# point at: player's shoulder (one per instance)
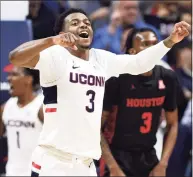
(112, 81)
(164, 64)
(103, 53)
(12, 101)
(102, 56)
(166, 73)
(39, 97)
(36, 103)
(111, 86)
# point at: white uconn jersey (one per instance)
(23, 129)
(73, 90)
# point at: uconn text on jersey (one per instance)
(87, 79)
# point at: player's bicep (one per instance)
(171, 117)
(32, 63)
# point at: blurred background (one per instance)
(22, 21)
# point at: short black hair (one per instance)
(131, 36)
(60, 21)
(35, 75)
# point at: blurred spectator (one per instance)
(130, 16)
(57, 7)
(97, 10)
(184, 73)
(101, 12)
(43, 19)
(181, 154)
(187, 17)
(185, 6)
(124, 36)
(173, 54)
(62, 6)
(109, 36)
(163, 16)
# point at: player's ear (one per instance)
(29, 80)
(131, 51)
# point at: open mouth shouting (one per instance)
(84, 34)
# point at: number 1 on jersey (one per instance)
(91, 107)
(18, 144)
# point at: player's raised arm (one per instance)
(28, 54)
(145, 60)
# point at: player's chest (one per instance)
(85, 73)
(20, 119)
(143, 94)
(82, 66)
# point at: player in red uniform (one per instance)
(140, 100)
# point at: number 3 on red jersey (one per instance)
(147, 120)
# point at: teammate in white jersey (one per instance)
(72, 77)
(22, 116)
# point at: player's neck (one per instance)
(149, 73)
(82, 54)
(25, 99)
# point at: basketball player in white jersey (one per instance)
(22, 116)
(72, 77)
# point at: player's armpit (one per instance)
(41, 114)
(1, 120)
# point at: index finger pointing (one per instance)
(74, 37)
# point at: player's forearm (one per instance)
(168, 42)
(142, 62)
(106, 153)
(169, 143)
(148, 58)
(29, 50)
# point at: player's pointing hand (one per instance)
(66, 40)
